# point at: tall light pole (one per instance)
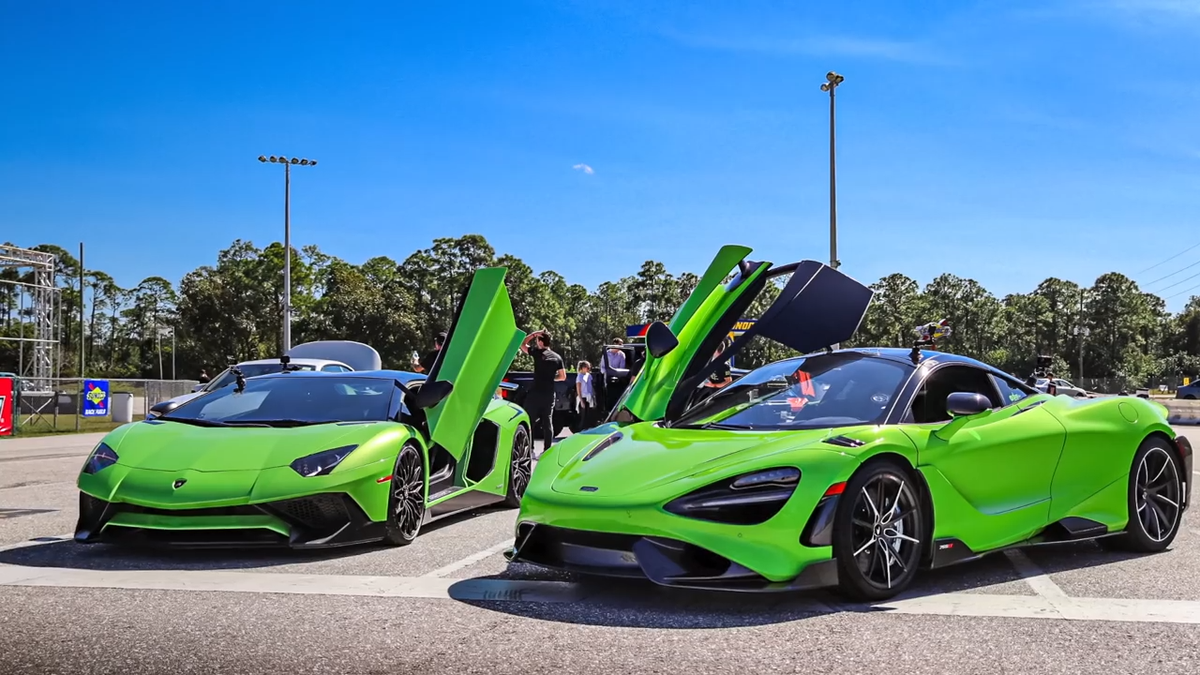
(287, 238)
(833, 80)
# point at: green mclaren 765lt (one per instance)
(315, 459)
(851, 468)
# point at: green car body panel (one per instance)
(1030, 468)
(218, 486)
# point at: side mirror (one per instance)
(964, 404)
(660, 341)
(431, 394)
(162, 408)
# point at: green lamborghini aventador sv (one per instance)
(845, 467)
(313, 459)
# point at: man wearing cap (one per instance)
(425, 364)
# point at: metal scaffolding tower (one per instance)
(39, 370)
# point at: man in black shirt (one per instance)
(425, 364)
(548, 369)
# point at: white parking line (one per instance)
(946, 604)
(469, 560)
(1033, 575)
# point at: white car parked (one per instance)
(331, 356)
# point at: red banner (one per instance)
(7, 406)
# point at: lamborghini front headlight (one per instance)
(101, 458)
(321, 463)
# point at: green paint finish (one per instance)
(994, 479)
(480, 348)
(238, 466)
(647, 396)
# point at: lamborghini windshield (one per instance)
(291, 401)
(827, 390)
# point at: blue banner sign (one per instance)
(95, 398)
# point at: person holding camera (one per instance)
(548, 370)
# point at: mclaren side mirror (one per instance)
(431, 394)
(660, 341)
(966, 404)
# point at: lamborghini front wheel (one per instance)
(1155, 498)
(878, 532)
(406, 504)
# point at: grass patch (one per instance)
(65, 424)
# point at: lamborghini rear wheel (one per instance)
(520, 466)
(879, 532)
(1155, 499)
(406, 504)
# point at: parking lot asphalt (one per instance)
(451, 603)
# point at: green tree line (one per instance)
(232, 308)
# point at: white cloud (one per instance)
(584, 168)
(889, 50)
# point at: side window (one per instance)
(1011, 391)
(929, 405)
(333, 368)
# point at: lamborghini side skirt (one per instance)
(951, 551)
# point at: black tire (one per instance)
(520, 466)
(406, 502)
(875, 559)
(1154, 501)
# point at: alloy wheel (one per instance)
(886, 515)
(1157, 494)
(408, 490)
(522, 463)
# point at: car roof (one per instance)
(298, 361)
(904, 355)
(402, 376)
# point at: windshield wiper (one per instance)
(194, 422)
(718, 425)
(282, 423)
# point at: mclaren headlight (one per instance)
(747, 499)
(321, 463)
(101, 458)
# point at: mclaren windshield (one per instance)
(288, 401)
(826, 390)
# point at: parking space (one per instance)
(453, 603)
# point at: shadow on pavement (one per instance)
(642, 604)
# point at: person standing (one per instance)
(548, 370)
(425, 363)
(585, 394)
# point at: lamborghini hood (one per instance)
(173, 446)
(647, 456)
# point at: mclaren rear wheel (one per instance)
(879, 531)
(406, 504)
(520, 466)
(1155, 499)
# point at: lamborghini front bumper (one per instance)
(322, 520)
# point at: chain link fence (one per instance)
(57, 407)
(1159, 386)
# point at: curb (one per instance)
(1182, 412)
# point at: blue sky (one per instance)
(1003, 141)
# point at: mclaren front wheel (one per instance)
(520, 466)
(879, 532)
(406, 503)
